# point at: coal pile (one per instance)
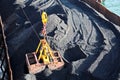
(88, 42)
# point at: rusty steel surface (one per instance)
(108, 14)
(5, 67)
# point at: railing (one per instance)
(5, 68)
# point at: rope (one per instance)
(30, 23)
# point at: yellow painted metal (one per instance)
(44, 18)
(44, 51)
(38, 47)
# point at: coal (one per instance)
(88, 43)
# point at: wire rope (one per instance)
(30, 23)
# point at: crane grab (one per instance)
(44, 55)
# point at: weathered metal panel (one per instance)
(108, 14)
